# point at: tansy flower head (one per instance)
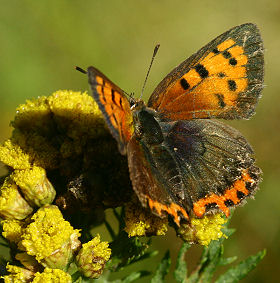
(50, 238)
(77, 114)
(40, 150)
(203, 230)
(12, 155)
(37, 111)
(92, 257)
(65, 134)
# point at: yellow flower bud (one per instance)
(18, 274)
(50, 238)
(28, 261)
(34, 185)
(92, 257)
(12, 204)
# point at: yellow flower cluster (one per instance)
(47, 131)
(47, 240)
(17, 274)
(21, 275)
(52, 276)
(204, 230)
(12, 155)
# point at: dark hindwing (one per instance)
(222, 80)
(148, 169)
(215, 161)
(114, 106)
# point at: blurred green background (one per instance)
(42, 41)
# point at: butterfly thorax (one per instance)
(146, 126)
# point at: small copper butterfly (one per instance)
(182, 162)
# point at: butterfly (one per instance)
(181, 161)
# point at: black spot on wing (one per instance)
(249, 186)
(121, 103)
(185, 85)
(202, 71)
(115, 119)
(113, 95)
(232, 61)
(221, 100)
(226, 54)
(210, 206)
(229, 202)
(240, 195)
(232, 85)
(221, 75)
(215, 50)
(103, 96)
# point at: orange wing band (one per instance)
(173, 210)
(234, 194)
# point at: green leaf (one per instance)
(162, 269)
(82, 279)
(135, 275)
(228, 260)
(210, 259)
(228, 232)
(120, 216)
(144, 256)
(180, 273)
(110, 229)
(215, 251)
(242, 269)
(126, 251)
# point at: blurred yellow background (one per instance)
(42, 41)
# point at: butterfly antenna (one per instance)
(80, 70)
(154, 55)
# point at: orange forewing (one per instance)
(114, 105)
(223, 80)
(202, 99)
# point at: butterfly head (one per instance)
(146, 127)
